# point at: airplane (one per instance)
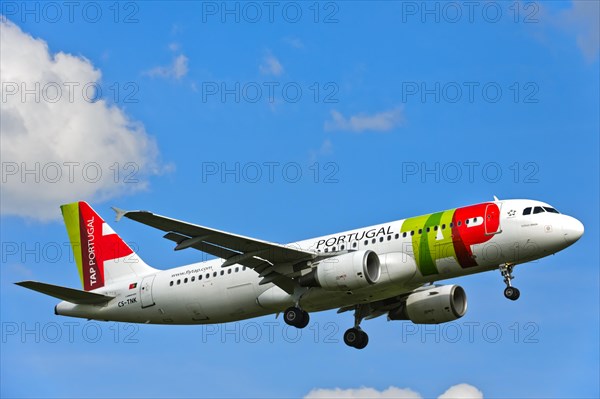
(385, 269)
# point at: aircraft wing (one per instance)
(275, 263)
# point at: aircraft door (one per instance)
(146, 291)
(491, 220)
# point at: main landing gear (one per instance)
(294, 316)
(510, 292)
(355, 336)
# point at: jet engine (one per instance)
(438, 304)
(345, 272)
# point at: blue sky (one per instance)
(283, 124)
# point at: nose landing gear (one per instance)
(510, 292)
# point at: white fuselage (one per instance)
(205, 292)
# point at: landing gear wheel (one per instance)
(305, 320)
(356, 338)
(512, 293)
(296, 317)
(364, 341)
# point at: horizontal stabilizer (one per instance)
(78, 297)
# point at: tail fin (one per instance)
(101, 255)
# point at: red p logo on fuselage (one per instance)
(474, 229)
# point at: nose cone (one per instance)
(572, 229)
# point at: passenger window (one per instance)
(193, 278)
(366, 242)
(467, 221)
(404, 234)
(380, 239)
(326, 249)
(243, 268)
(397, 236)
(538, 209)
(222, 272)
(333, 249)
(178, 282)
(171, 283)
(215, 274)
(474, 220)
(459, 223)
(354, 244)
(342, 247)
(412, 232)
(435, 228)
(420, 231)
(199, 277)
(229, 271)
(443, 227)
(237, 269)
(428, 229)
(373, 241)
(207, 275)
(527, 211)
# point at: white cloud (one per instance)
(177, 69)
(380, 122)
(326, 148)
(583, 20)
(460, 391)
(293, 42)
(271, 66)
(391, 392)
(60, 146)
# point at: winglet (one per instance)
(119, 213)
(495, 199)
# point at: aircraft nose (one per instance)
(572, 229)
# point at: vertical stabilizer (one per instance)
(102, 257)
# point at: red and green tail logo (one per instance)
(93, 243)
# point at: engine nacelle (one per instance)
(433, 305)
(346, 272)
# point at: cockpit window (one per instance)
(538, 209)
(551, 210)
(527, 211)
